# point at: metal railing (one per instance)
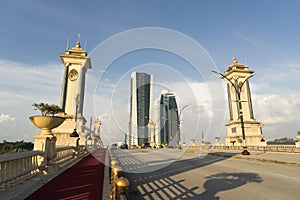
(119, 186)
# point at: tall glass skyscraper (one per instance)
(169, 130)
(141, 99)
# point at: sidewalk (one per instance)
(272, 157)
(84, 180)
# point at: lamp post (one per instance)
(75, 134)
(154, 129)
(179, 119)
(238, 89)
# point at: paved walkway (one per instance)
(273, 157)
(83, 180)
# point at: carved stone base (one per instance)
(40, 142)
(298, 143)
(252, 130)
(65, 129)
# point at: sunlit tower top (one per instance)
(76, 64)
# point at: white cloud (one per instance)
(206, 108)
(6, 118)
(20, 86)
(27, 79)
(273, 108)
(279, 79)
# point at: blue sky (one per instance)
(262, 34)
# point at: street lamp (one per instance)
(154, 129)
(238, 88)
(179, 118)
(75, 134)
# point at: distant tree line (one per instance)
(283, 141)
(13, 147)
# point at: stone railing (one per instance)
(198, 149)
(64, 154)
(18, 167)
(267, 148)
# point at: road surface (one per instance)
(173, 174)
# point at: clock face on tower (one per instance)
(73, 75)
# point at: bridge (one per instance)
(199, 172)
(57, 170)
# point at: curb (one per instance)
(228, 155)
(106, 184)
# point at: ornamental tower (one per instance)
(240, 103)
(76, 63)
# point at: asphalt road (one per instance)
(172, 174)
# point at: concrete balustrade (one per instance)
(64, 154)
(197, 149)
(17, 167)
(267, 148)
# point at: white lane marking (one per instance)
(281, 175)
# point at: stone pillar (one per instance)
(76, 63)
(240, 103)
(298, 142)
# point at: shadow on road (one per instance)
(161, 184)
(225, 181)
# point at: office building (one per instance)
(169, 129)
(141, 99)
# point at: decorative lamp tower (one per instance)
(242, 129)
(97, 136)
(76, 63)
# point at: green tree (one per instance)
(283, 141)
(12, 147)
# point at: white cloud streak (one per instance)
(6, 118)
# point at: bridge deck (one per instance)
(83, 180)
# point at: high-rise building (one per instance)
(169, 130)
(156, 123)
(141, 99)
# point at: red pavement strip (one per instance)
(83, 180)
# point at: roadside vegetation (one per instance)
(283, 141)
(13, 147)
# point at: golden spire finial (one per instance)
(234, 61)
(78, 42)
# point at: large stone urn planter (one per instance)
(46, 141)
(46, 123)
